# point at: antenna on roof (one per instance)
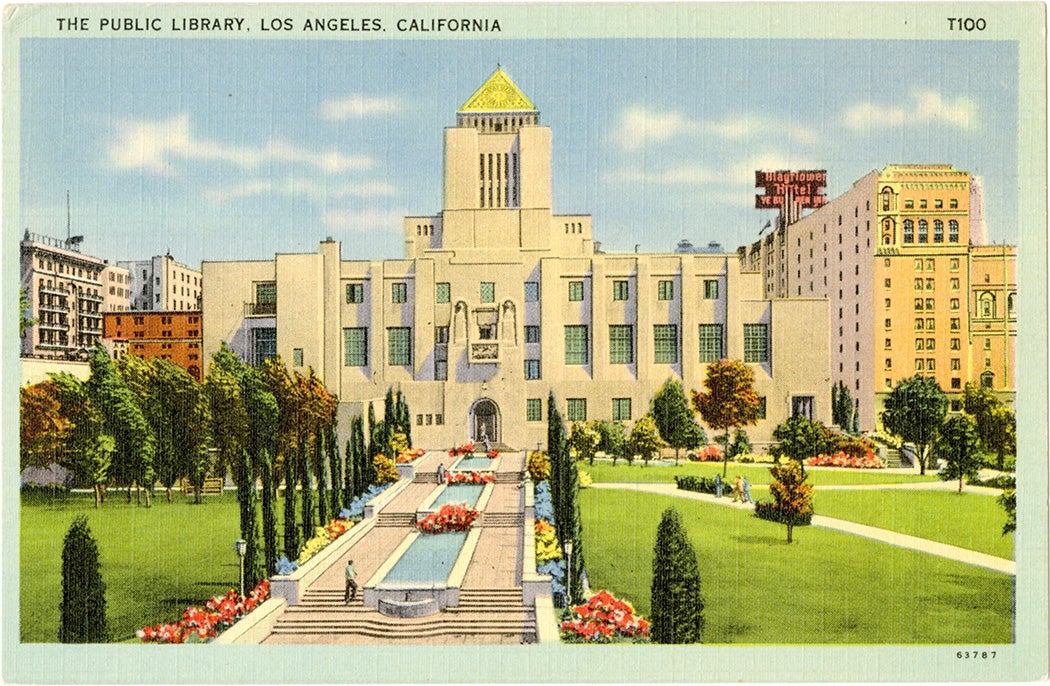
(69, 218)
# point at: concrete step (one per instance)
(501, 519)
(396, 519)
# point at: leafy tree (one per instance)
(996, 424)
(584, 440)
(800, 438)
(123, 419)
(674, 418)
(842, 407)
(88, 452)
(334, 468)
(613, 439)
(25, 314)
(291, 530)
(960, 447)
(44, 428)
(792, 497)
(729, 401)
(83, 606)
(740, 445)
(644, 439)
(263, 425)
(1008, 500)
(915, 409)
(677, 613)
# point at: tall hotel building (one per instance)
(499, 301)
(910, 287)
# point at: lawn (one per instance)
(826, 588)
(154, 561)
(970, 521)
(756, 473)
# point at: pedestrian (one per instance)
(747, 491)
(485, 440)
(442, 473)
(718, 486)
(351, 583)
(738, 489)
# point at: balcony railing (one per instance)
(484, 352)
(260, 309)
(90, 296)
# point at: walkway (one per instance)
(922, 545)
(490, 608)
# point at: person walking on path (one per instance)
(718, 486)
(351, 583)
(485, 440)
(747, 491)
(738, 489)
(442, 473)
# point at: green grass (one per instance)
(756, 473)
(154, 561)
(970, 521)
(826, 588)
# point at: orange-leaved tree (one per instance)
(729, 401)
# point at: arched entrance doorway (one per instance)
(484, 421)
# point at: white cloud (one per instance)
(309, 188)
(640, 125)
(687, 175)
(157, 147)
(923, 106)
(365, 220)
(357, 106)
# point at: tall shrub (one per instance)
(677, 614)
(83, 606)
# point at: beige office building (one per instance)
(160, 284)
(500, 301)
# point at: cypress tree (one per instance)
(349, 470)
(406, 417)
(556, 444)
(291, 533)
(370, 431)
(307, 487)
(334, 469)
(320, 450)
(269, 521)
(83, 606)
(677, 608)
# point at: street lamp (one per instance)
(241, 546)
(568, 570)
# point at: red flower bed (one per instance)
(470, 478)
(465, 449)
(204, 623)
(841, 459)
(410, 455)
(602, 618)
(337, 527)
(709, 453)
(492, 454)
(450, 517)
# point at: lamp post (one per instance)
(568, 570)
(241, 546)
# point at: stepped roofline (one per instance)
(498, 94)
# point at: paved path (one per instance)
(922, 545)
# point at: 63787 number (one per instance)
(975, 655)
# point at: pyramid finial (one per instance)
(498, 94)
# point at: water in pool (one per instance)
(459, 493)
(473, 463)
(428, 560)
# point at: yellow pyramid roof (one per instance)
(498, 94)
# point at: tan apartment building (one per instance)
(162, 284)
(894, 257)
(500, 301)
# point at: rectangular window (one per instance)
(442, 293)
(576, 349)
(355, 292)
(488, 292)
(665, 344)
(711, 342)
(534, 409)
(399, 345)
(954, 324)
(265, 344)
(756, 343)
(265, 293)
(440, 334)
(532, 334)
(399, 292)
(956, 365)
(621, 344)
(532, 370)
(575, 291)
(355, 345)
(620, 290)
(761, 414)
(665, 290)
(954, 344)
(953, 264)
(297, 357)
(577, 410)
(954, 203)
(621, 409)
(532, 291)
(711, 289)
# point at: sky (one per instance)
(239, 149)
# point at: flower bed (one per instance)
(202, 624)
(323, 535)
(539, 466)
(465, 449)
(709, 453)
(470, 478)
(386, 470)
(841, 459)
(547, 548)
(452, 517)
(603, 618)
(585, 479)
(410, 455)
(492, 454)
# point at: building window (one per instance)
(534, 409)
(888, 303)
(621, 409)
(919, 345)
(930, 323)
(953, 284)
(909, 231)
(711, 289)
(988, 344)
(355, 292)
(922, 204)
(620, 290)
(930, 343)
(954, 324)
(711, 342)
(575, 291)
(532, 370)
(399, 345)
(576, 344)
(665, 290)
(264, 344)
(986, 305)
(265, 293)
(929, 305)
(956, 364)
(938, 231)
(665, 343)
(931, 365)
(761, 413)
(442, 293)
(577, 410)
(909, 204)
(756, 339)
(488, 292)
(987, 380)
(297, 357)
(889, 363)
(399, 292)
(954, 303)
(532, 291)
(532, 334)
(930, 283)
(954, 344)
(888, 344)
(953, 231)
(621, 344)
(887, 324)
(440, 335)
(355, 347)
(918, 284)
